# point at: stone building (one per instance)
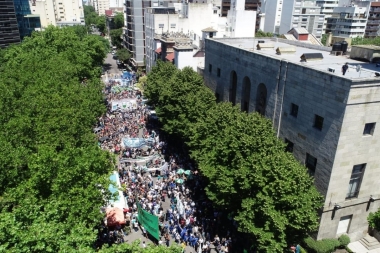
(327, 119)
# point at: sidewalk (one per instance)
(357, 247)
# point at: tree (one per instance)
(366, 41)
(52, 171)
(135, 247)
(90, 16)
(101, 23)
(118, 20)
(261, 34)
(249, 174)
(324, 39)
(123, 54)
(116, 39)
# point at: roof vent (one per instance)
(285, 50)
(311, 57)
(265, 46)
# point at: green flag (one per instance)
(148, 221)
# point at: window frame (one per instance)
(210, 68)
(311, 167)
(294, 110)
(218, 72)
(289, 145)
(317, 124)
(369, 129)
(353, 191)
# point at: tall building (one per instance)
(328, 120)
(302, 14)
(273, 12)
(327, 8)
(116, 3)
(9, 33)
(373, 24)
(101, 6)
(349, 21)
(27, 22)
(249, 5)
(58, 12)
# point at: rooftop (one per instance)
(209, 30)
(329, 60)
(368, 47)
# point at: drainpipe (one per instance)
(277, 87)
(282, 100)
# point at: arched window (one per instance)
(261, 99)
(246, 94)
(233, 87)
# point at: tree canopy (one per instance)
(118, 20)
(52, 171)
(116, 39)
(366, 41)
(249, 173)
(261, 34)
(123, 54)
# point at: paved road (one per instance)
(110, 64)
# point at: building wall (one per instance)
(345, 106)
(273, 11)
(116, 3)
(9, 33)
(184, 58)
(103, 5)
(59, 12)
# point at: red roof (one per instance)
(108, 12)
(158, 50)
(170, 57)
(375, 4)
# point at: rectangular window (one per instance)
(310, 163)
(355, 181)
(172, 25)
(210, 68)
(218, 72)
(289, 145)
(294, 110)
(369, 128)
(215, 11)
(318, 122)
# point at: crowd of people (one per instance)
(163, 180)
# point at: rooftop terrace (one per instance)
(329, 61)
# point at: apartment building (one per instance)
(27, 22)
(101, 6)
(9, 32)
(327, 8)
(58, 12)
(327, 120)
(349, 21)
(373, 24)
(273, 12)
(302, 14)
(249, 5)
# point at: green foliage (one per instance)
(123, 54)
(324, 39)
(90, 16)
(52, 170)
(321, 246)
(344, 240)
(261, 34)
(135, 247)
(101, 23)
(118, 20)
(374, 220)
(115, 35)
(366, 41)
(247, 169)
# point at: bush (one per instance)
(344, 240)
(374, 220)
(322, 246)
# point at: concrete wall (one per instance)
(184, 58)
(345, 106)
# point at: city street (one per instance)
(110, 65)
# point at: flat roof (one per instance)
(329, 60)
(368, 46)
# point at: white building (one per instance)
(195, 21)
(350, 20)
(241, 23)
(101, 6)
(327, 8)
(273, 12)
(58, 12)
(116, 3)
(301, 14)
